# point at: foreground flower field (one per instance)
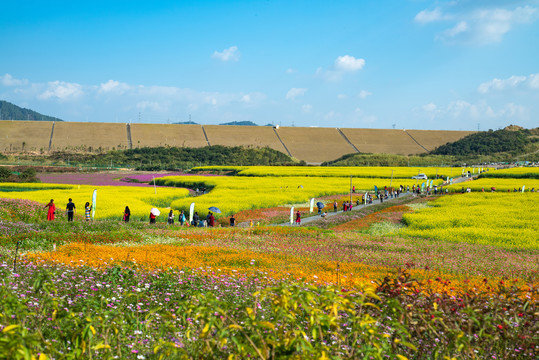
(446, 277)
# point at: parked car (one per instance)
(420, 177)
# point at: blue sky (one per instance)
(455, 65)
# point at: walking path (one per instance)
(330, 214)
(310, 219)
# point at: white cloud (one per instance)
(363, 94)
(290, 71)
(8, 80)
(477, 24)
(295, 92)
(349, 63)
(62, 91)
(461, 110)
(230, 54)
(531, 81)
(113, 86)
(342, 96)
(246, 98)
(427, 16)
(459, 28)
(307, 108)
(343, 64)
(429, 107)
(534, 81)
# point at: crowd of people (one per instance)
(209, 220)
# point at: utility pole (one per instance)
(350, 190)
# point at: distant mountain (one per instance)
(9, 111)
(186, 123)
(241, 123)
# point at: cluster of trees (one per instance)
(27, 175)
(175, 158)
(9, 111)
(489, 142)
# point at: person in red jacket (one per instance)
(52, 210)
(298, 218)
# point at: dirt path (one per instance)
(331, 214)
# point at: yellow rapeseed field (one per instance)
(334, 171)
(500, 219)
(519, 171)
(111, 200)
(501, 185)
(234, 193)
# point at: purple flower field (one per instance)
(102, 179)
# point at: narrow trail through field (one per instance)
(332, 213)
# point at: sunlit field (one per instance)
(111, 200)
(362, 172)
(414, 277)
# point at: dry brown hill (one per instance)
(313, 145)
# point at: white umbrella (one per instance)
(155, 211)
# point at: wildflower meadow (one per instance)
(419, 276)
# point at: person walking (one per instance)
(181, 218)
(152, 218)
(70, 209)
(196, 219)
(127, 214)
(298, 218)
(87, 211)
(51, 211)
(232, 221)
(211, 221)
(335, 206)
(171, 217)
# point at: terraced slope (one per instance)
(34, 134)
(314, 145)
(383, 141)
(75, 135)
(431, 139)
(165, 134)
(257, 136)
